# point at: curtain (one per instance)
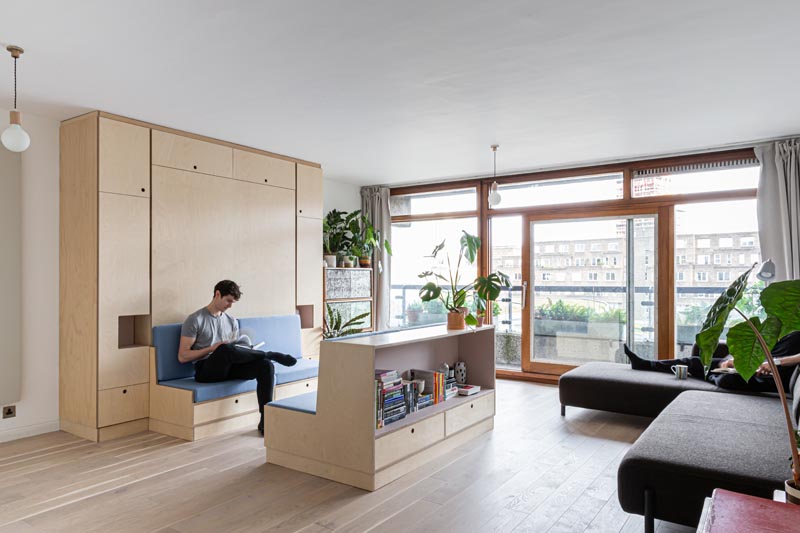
(375, 206)
(779, 206)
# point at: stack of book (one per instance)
(424, 400)
(450, 388)
(411, 393)
(390, 399)
(434, 383)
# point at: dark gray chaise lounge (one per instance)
(699, 440)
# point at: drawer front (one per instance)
(176, 151)
(263, 169)
(468, 414)
(408, 440)
(296, 387)
(225, 407)
(124, 158)
(122, 404)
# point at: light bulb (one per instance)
(15, 138)
(767, 271)
(494, 196)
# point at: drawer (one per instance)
(470, 413)
(408, 440)
(296, 387)
(263, 169)
(177, 151)
(122, 404)
(225, 407)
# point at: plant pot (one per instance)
(455, 320)
(347, 263)
(412, 316)
(480, 319)
(792, 492)
(365, 262)
(330, 260)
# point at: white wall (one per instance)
(342, 196)
(37, 411)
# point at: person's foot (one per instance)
(637, 363)
(261, 426)
(282, 358)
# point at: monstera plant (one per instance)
(751, 341)
(454, 294)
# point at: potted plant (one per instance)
(365, 239)
(333, 326)
(335, 236)
(751, 341)
(413, 310)
(454, 297)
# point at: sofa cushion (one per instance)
(166, 340)
(279, 333)
(618, 388)
(204, 392)
(303, 369)
(304, 403)
(702, 441)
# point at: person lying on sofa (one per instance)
(786, 354)
(208, 339)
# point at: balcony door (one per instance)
(589, 286)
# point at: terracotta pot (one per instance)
(792, 492)
(480, 319)
(456, 320)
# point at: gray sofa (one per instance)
(702, 438)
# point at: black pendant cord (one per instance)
(15, 83)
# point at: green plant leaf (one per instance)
(782, 300)
(469, 246)
(745, 348)
(459, 298)
(471, 320)
(714, 324)
(438, 249)
(387, 246)
(429, 291)
(489, 287)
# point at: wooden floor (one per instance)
(535, 472)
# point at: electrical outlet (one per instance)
(9, 411)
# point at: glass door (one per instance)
(592, 289)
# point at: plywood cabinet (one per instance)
(309, 191)
(187, 153)
(309, 279)
(124, 158)
(259, 168)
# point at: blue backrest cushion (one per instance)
(166, 340)
(280, 333)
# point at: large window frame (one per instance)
(663, 206)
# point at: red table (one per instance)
(731, 512)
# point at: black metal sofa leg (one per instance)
(563, 409)
(649, 511)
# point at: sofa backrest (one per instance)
(279, 333)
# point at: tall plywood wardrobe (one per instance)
(151, 218)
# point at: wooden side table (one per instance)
(731, 512)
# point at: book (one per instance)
(724, 371)
(245, 342)
(468, 390)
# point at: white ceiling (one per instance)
(406, 91)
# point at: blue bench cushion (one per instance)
(304, 369)
(204, 392)
(166, 340)
(304, 403)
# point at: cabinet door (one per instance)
(309, 278)
(185, 153)
(309, 191)
(260, 168)
(124, 158)
(123, 290)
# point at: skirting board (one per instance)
(28, 431)
(387, 475)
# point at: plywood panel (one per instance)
(309, 191)
(225, 407)
(263, 169)
(123, 404)
(122, 430)
(78, 273)
(206, 229)
(124, 158)
(124, 286)
(11, 274)
(186, 153)
(395, 446)
(309, 278)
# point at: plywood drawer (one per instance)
(122, 404)
(309, 191)
(296, 387)
(260, 168)
(185, 153)
(468, 414)
(225, 407)
(408, 440)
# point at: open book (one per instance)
(724, 371)
(245, 341)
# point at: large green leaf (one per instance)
(470, 320)
(459, 298)
(489, 287)
(470, 245)
(782, 300)
(387, 246)
(708, 338)
(429, 291)
(745, 348)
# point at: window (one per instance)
(702, 276)
(704, 243)
(595, 247)
(747, 242)
(728, 259)
(646, 260)
(611, 276)
(563, 248)
(545, 277)
(561, 191)
(451, 201)
(680, 276)
(680, 259)
(696, 178)
(580, 247)
(680, 243)
(580, 261)
(567, 261)
(723, 276)
(703, 260)
(725, 242)
(592, 276)
(613, 247)
(596, 261)
(717, 259)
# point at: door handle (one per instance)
(524, 293)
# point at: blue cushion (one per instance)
(279, 333)
(204, 392)
(304, 369)
(304, 403)
(166, 340)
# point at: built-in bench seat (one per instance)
(184, 408)
(303, 403)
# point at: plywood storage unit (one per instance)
(340, 442)
(309, 253)
(104, 277)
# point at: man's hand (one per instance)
(728, 363)
(764, 369)
(214, 347)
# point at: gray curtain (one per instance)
(375, 206)
(779, 206)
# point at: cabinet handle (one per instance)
(195, 167)
(308, 384)
(471, 406)
(124, 391)
(236, 400)
(412, 430)
(301, 210)
(266, 181)
(142, 189)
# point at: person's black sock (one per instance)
(282, 358)
(637, 363)
(261, 425)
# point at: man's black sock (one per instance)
(261, 424)
(282, 358)
(637, 363)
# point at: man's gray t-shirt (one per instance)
(208, 329)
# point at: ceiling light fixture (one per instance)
(14, 137)
(494, 196)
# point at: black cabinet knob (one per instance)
(142, 189)
(412, 430)
(195, 167)
(124, 391)
(236, 400)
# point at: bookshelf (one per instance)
(340, 442)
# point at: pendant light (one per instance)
(14, 137)
(494, 196)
